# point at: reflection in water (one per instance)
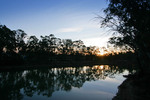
(16, 85)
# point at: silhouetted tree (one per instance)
(78, 44)
(20, 35)
(33, 44)
(58, 46)
(47, 43)
(130, 18)
(67, 46)
(7, 39)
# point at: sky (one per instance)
(66, 19)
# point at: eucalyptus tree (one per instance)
(33, 44)
(7, 39)
(20, 36)
(58, 46)
(48, 43)
(67, 46)
(130, 18)
(78, 46)
(53, 43)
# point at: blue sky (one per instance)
(66, 19)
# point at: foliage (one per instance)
(20, 48)
(7, 39)
(16, 46)
(130, 18)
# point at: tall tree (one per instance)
(33, 43)
(7, 39)
(67, 46)
(130, 18)
(78, 46)
(20, 36)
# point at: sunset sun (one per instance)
(101, 52)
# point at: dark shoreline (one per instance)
(135, 87)
(60, 63)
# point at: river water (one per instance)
(98, 82)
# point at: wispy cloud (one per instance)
(64, 30)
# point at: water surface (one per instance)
(98, 82)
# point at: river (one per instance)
(98, 82)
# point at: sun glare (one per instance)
(101, 67)
(101, 52)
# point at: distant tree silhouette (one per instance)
(7, 39)
(47, 43)
(67, 46)
(32, 44)
(78, 44)
(130, 18)
(20, 35)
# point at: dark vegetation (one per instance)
(16, 48)
(130, 20)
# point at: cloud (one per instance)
(64, 30)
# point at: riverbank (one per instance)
(68, 63)
(135, 87)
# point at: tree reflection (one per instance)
(13, 85)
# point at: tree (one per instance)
(33, 43)
(67, 46)
(47, 43)
(7, 39)
(130, 18)
(20, 35)
(78, 46)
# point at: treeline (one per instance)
(17, 48)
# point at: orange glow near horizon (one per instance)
(105, 51)
(101, 52)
